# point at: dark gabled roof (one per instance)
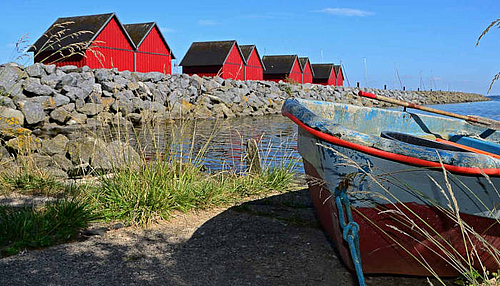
(209, 53)
(303, 62)
(279, 64)
(337, 69)
(77, 32)
(246, 51)
(139, 31)
(322, 71)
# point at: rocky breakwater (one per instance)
(41, 98)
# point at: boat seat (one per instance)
(415, 140)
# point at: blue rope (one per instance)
(350, 230)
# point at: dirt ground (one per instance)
(270, 241)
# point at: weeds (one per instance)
(30, 184)
(30, 227)
(158, 188)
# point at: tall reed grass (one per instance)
(172, 177)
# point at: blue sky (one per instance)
(425, 43)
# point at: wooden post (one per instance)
(253, 157)
(357, 84)
(385, 86)
(404, 88)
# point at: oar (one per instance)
(470, 118)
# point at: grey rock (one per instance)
(112, 86)
(47, 102)
(107, 102)
(124, 106)
(132, 86)
(102, 75)
(154, 76)
(91, 109)
(121, 81)
(24, 144)
(158, 107)
(69, 107)
(57, 173)
(36, 70)
(134, 117)
(33, 87)
(51, 80)
(107, 93)
(221, 110)
(11, 77)
(56, 145)
(4, 153)
(117, 155)
(126, 94)
(9, 113)
(253, 100)
(60, 115)
(86, 69)
(83, 149)
(7, 102)
(41, 161)
(49, 69)
(143, 91)
(60, 99)
(79, 103)
(184, 83)
(33, 112)
(126, 75)
(137, 104)
(141, 76)
(70, 79)
(76, 118)
(212, 85)
(95, 96)
(69, 69)
(161, 93)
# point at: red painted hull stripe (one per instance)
(389, 155)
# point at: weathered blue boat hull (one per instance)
(398, 191)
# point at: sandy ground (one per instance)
(271, 241)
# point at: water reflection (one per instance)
(218, 144)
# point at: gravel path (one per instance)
(271, 241)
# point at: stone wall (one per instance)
(41, 98)
(42, 95)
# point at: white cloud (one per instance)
(167, 30)
(345, 12)
(206, 23)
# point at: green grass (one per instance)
(152, 193)
(30, 227)
(31, 183)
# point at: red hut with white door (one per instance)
(286, 67)
(324, 74)
(339, 74)
(307, 72)
(152, 51)
(254, 67)
(218, 58)
(97, 41)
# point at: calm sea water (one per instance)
(275, 134)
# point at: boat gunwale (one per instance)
(473, 171)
